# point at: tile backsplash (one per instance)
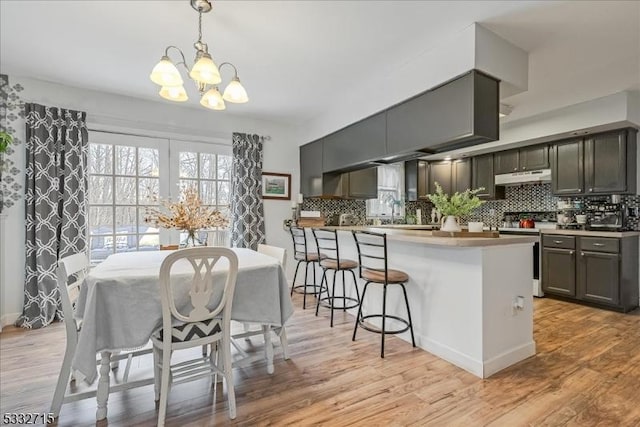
(523, 198)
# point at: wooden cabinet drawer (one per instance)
(556, 241)
(600, 244)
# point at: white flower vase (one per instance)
(450, 223)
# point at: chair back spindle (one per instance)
(372, 252)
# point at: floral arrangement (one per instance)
(459, 204)
(188, 214)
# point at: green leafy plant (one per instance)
(459, 204)
(5, 141)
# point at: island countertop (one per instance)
(426, 237)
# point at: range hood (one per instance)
(530, 177)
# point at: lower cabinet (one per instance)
(600, 270)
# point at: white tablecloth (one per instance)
(120, 307)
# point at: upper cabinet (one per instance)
(610, 163)
(416, 180)
(524, 159)
(440, 172)
(457, 114)
(483, 175)
(567, 167)
(362, 142)
(533, 158)
(601, 164)
(311, 169)
(360, 184)
(461, 175)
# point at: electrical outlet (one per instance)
(492, 211)
(517, 305)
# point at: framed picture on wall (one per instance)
(276, 186)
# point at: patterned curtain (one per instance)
(247, 213)
(56, 216)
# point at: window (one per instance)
(210, 174)
(127, 174)
(390, 193)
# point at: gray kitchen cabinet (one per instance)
(461, 175)
(567, 167)
(559, 271)
(363, 184)
(482, 175)
(440, 172)
(360, 184)
(311, 169)
(522, 160)
(416, 180)
(602, 271)
(533, 158)
(599, 277)
(457, 114)
(506, 162)
(607, 162)
(359, 143)
(601, 164)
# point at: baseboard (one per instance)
(508, 358)
(451, 355)
(8, 319)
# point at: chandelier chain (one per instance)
(200, 27)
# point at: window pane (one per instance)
(101, 220)
(126, 243)
(208, 166)
(125, 191)
(208, 192)
(149, 242)
(99, 250)
(125, 220)
(100, 190)
(224, 167)
(100, 159)
(187, 183)
(145, 227)
(223, 193)
(148, 162)
(148, 191)
(125, 160)
(188, 165)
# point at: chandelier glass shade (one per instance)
(204, 72)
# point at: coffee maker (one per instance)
(608, 214)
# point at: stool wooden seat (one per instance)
(330, 261)
(372, 258)
(302, 254)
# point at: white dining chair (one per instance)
(201, 326)
(70, 273)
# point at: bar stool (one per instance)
(301, 254)
(372, 257)
(329, 255)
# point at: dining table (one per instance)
(119, 306)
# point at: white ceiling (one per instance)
(298, 58)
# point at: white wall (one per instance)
(122, 113)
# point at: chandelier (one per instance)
(205, 73)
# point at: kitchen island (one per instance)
(470, 298)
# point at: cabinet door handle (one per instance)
(572, 252)
(591, 189)
(581, 253)
(524, 167)
(557, 242)
(579, 190)
(598, 244)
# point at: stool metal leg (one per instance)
(406, 300)
(355, 284)
(333, 295)
(359, 316)
(293, 285)
(384, 315)
(304, 289)
(324, 275)
(344, 293)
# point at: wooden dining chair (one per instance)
(70, 274)
(198, 325)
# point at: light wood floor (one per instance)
(586, 372)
